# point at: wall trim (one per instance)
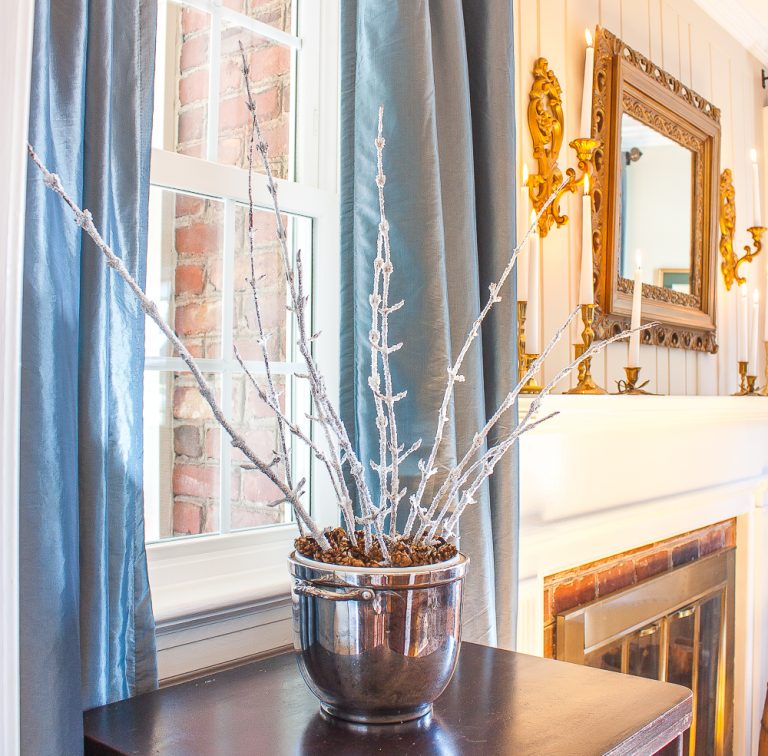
(740, 23)
(15, 62)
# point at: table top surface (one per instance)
(498, 702)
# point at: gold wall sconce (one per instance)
(731, 262)
(546, 124)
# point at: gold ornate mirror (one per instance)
(656, 191)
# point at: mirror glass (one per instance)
(656, 206)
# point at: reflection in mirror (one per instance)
(656, 206)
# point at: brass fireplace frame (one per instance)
(618, 616)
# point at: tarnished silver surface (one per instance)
(377, 645)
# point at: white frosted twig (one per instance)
(488, 461)
(390, 450)
(447, 491)
(271, 392)
(298, 307)
(84, 219)
(428, 468)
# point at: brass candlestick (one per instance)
(586, 384)
(524, 360)
(742, 390)
(630, 385)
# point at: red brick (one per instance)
(549, 641)
(188, 204)
(186, 441)
(711, 541)
(194, 21)
(210, 518)
(243, 518)
(730, 534)
(193, 149)
(686, 552)
(267, 104)
(276, 136)
(256, 408)
(231, 76)
(615, 578)
(192, 124)
(198, 318)
(198, 239)
(188, 404)
(547, 606)
(270, 60)
(653, 564)
(257, 488)
(579, 591)
(190, 279)
(187, 517)
(231, 151)
(212, 443)
(233, 114)
(193, 87)
(196, 480)
(235, 5)
(194, 52)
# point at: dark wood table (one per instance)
(498, 702)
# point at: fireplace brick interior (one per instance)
(575, 587)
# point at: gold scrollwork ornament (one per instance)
(727, 227)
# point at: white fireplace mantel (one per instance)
(613, 473)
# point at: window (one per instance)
(198, 256)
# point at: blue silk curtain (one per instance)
(87, 632)
(444, 71)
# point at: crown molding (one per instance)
(741, 23)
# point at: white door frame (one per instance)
(15, 63)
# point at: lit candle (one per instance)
(586, 286)
(754, 331)
(586, 97)
(522, 258)
(532, 335)
(742, 321)
(637, 296)
(756, 188)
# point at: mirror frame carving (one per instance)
(625, 81)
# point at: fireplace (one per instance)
(678, 627)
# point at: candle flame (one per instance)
(586, 183)
(525, 174)
(588, 37)
(753, 155)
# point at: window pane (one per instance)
(181, 457)
(252, 492)
(271, 285)
(270, 79)
(184, 271)
(189, 63)
(276, 13)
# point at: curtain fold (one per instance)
(444, 71)
(87, 632)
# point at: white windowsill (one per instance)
(199, 575)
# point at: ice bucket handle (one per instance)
(302, 588)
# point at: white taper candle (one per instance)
(754, 333)
(637, 297)
(532, 326)
(742, 321)
(586, 286)
(522, 258)
(586, 97)
(757, 208)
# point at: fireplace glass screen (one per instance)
(677, 627)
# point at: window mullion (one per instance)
(227, 341)
(214, 77)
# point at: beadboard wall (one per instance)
(680, 37)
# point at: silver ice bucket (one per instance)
(377, 645)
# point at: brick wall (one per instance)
(198, 242)
(572, 588)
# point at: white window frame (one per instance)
(16, 64)
(194, 577)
